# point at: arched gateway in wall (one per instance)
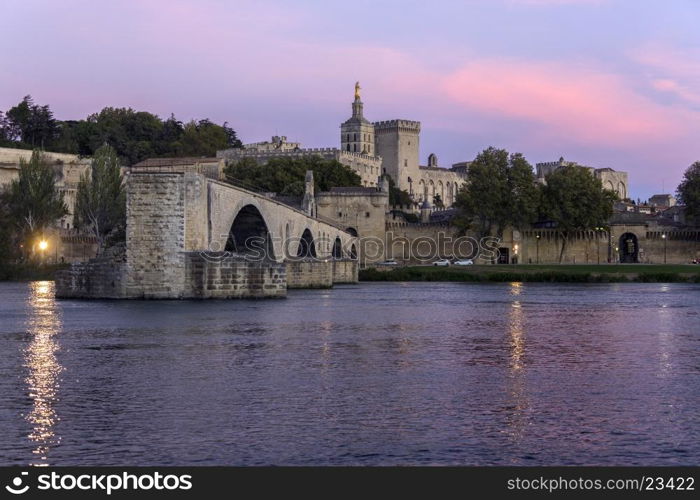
(629, 248)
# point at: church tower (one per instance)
(357, 133)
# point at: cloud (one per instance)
(672, 70)
(585, 105)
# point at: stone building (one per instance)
(67, 167)
(663, 201)
(371, 149)
(613, 180)
(65, 244)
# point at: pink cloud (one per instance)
(579, 103)
(673, 87)
(672, 70)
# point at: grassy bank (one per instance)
(29, 272)
(605, 273)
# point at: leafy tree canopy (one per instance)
(32, 201)
(398, 197)
(286, 175)
(500, 192)
(576, 201)
(134, 135)
(689, 192)
(100, 204)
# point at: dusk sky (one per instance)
(607, 83)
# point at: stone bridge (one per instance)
(190, 235)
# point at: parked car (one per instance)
(463, 262)
(442, 262)
(390, 262)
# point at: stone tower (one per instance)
(397, 144)
(357, 133)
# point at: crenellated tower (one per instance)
(397, 142)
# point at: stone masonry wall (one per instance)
(155, 235)
(223, 276)
(345, 271)
(309, 274)
(103, 277)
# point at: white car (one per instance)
(463, 262)
(442, 262)
(390, 262)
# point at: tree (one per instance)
(689, 192)
(231, 137)
(33, 201)
(398, 197)
(576, 201)
(4, 130)
(437, 201)
(31, 124)
(202, 138)
(133, 134)
(500, 192)
(286, 175)
(100, 204)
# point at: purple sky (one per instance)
(608, 83)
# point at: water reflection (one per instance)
(42, 381)
(518, 403)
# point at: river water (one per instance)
(377, 373)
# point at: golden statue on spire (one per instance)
(357, 90)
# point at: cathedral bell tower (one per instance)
(357, 133)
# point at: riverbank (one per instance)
(30, 272)
(604, 273)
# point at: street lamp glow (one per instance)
(663, 236)
(43, 245)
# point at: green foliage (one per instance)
(32, 201)
(576, 201)
(100, 204)
(398, 197)
(538, 273)
(29, 124)
(689, 192)
(501, 192)
(286, 175)
(135, 135)
(437, 201)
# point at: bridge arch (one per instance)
(337, 248)
(307, 246)
(249, 234)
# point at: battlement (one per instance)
(407, 125)
(252, 153)
(363, 156)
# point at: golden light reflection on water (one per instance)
(517, 386)
(42, 381)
